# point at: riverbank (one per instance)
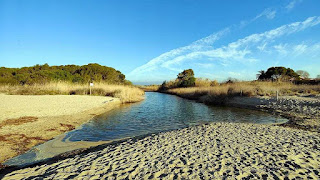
(26, 121)
(213, 151)
(302, 110)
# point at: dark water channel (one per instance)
(158, 112)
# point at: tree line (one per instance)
(186, 78)
(69, 73)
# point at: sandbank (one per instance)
(27, 120)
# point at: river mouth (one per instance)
(158, 112)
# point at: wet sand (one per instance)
(26, 121)
(214, 151)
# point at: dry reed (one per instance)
(150, 88)
(218, 94)
(126, 94)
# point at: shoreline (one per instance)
(285, 163)
(19, 134)
(295, 112)
(215, 151)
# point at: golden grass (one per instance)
(149, 88)
(217, 94)
(126, 94)
(205, 82)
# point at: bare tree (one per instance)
(303, 74)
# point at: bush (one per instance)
(186, 78)
(190, 82)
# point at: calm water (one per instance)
(158, 112)
(161, 112)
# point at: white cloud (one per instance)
(204, 65)
(195, 46)
(268, 13)
(294, 50)
(262, 47)
(299, 49)
(281, 49)
(239, 49)
(292, 4)
(242, 51)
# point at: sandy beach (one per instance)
(26, 121)
(214, 151)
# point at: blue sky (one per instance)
(152, 41)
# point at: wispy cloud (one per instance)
(281, 49)
(243, 51)
(240, 49)
(204, 65)
(295, 50)
(268, 13)
(292, 4)
(203, 43)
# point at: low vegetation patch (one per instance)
(217, 94)
(125, 93)
(276, 79)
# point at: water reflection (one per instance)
(160, 112)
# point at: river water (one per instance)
(158, 112)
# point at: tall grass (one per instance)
(149, 88)
(219, 93)
(126, 94)
(200, 82)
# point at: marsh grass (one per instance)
(217, 94)
(150, 88)
(126, 94)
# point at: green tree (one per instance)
(261, 75)
(186, 78)
(70, 73)
(278, 73)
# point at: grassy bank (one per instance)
(149, 88)
(127, 94)
(217, 94)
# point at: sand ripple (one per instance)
(215, 151)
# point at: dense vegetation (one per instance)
(275, 79)
(184, 79)
(278, 73)
(40, 74)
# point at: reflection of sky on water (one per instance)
(160, 112)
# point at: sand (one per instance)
(214, 151)
(26, 121)
(303, 112)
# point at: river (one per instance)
(158, 112)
